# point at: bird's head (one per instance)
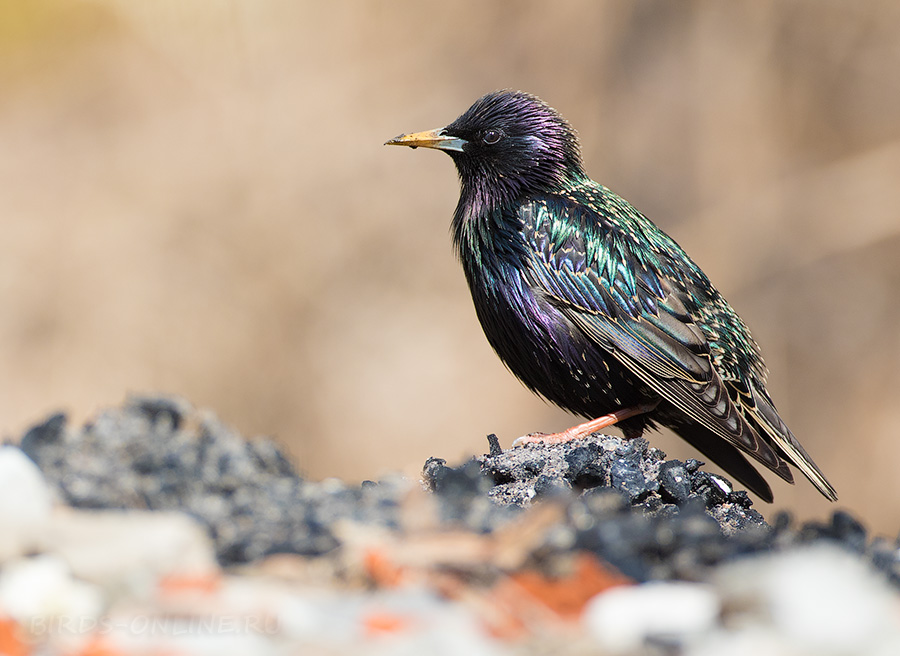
(508, 144)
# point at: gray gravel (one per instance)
(652, 518)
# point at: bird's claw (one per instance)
(544, 438)
(531, 438)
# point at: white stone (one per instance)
(25, 502)
(622, 619)
(129, 549)
(35, 591)
(741, 641)
(818, 599)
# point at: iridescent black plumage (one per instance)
(593, 306)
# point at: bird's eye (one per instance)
(491, 137)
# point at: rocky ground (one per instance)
(155, 528)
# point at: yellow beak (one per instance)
(429, 139)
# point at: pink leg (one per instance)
(588, 427)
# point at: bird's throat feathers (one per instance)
(477, 235)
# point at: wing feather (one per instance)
(634, 305)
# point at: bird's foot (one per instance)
(544, 438)
(588, 427)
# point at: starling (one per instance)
(593, 306)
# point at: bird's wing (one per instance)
(635, 302)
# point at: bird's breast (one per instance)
(537, 342)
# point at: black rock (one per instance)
(674, 482)
(546, 487)
(146, 455)
(713, 489)
(586, 468)
(39, 440)
(433, 470)
(253, 503)
(625, 475)
(842, 528)
(494, 445)
(160, 409)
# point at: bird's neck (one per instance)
(486, 219)
(470, 229)
(479, 196)
(487, 239)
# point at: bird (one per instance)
(593, 307)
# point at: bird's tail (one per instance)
(773, 426)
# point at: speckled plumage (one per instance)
(593, 306)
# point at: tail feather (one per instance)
(771, 424)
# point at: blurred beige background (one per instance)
(195, 200)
